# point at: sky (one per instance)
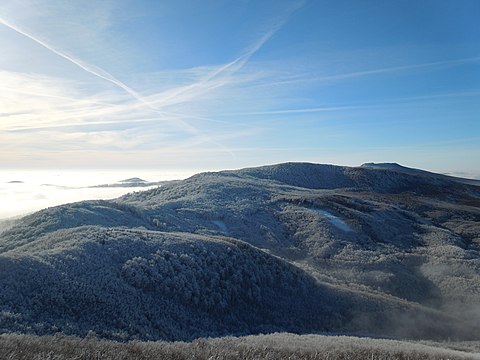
(208, 85)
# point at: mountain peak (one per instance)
(392, 165)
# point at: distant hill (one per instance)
(294, 247)
(134, 180)
(131, 182)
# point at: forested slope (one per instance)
(291, 247)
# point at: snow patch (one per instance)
(221, 225)
(334, 220)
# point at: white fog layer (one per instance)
(23, 191)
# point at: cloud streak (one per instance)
(373, 72)
(91, 69)
(221, 75)
(86, 113)
(291, 111)
(214, 79)
(71, 119)
(285, 89)
(96, 71)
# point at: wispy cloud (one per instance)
(212, 80)
(223, 74)
(84, 101)
(92, 69)
(390, 104)
(291, 111)
(59, 109)
(315, 78)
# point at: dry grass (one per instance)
(277, 346)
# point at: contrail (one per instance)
(379, 71)
(87, 67)
(402, 68)
(203, 84)
(291, 111)
(234, 65)
(96, 71)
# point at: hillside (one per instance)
(407, 170)
(292, 247)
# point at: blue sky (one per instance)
(210, 85)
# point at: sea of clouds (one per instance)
(26, 191)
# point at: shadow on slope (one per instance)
(127, 284)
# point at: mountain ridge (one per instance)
(386, 248)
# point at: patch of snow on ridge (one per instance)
(221, 225)
(334, 220)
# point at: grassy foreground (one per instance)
(275, 346)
